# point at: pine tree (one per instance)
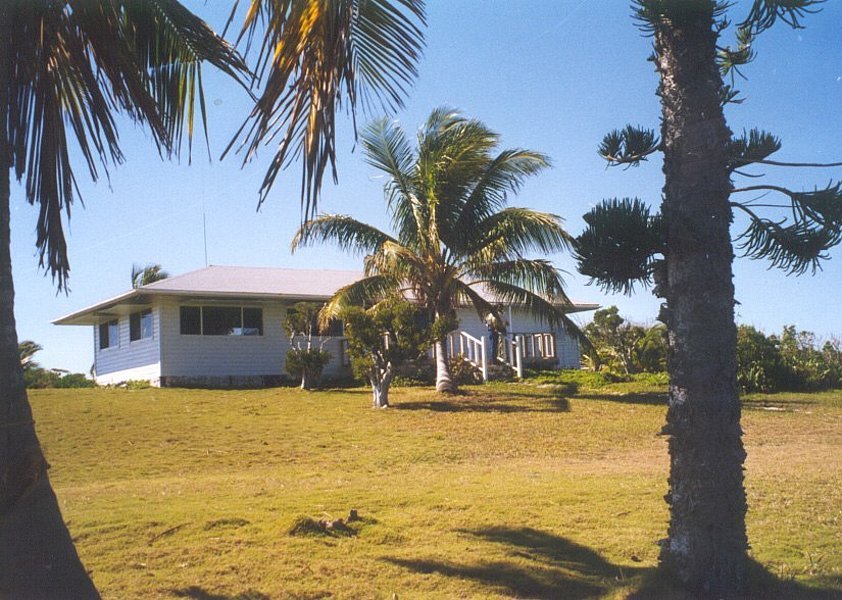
(686, 252)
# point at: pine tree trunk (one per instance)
(37, 556)
(707, 544)
(444, 382)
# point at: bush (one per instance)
(760, 365)
(75, 380)
(463, 372)
(38, 378)
(307, 365)
(793, 362)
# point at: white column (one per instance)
(519, 357)
(484, 359)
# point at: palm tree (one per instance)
(314, 57)
(454, 235)
(149, 274)
(27, 350)
(67, 70)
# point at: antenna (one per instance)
(205, 232)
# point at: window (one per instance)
(252, 321)
(221, 320)
(109, 334)
(140, 325)
(191, 320)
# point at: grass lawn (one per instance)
(511, 490)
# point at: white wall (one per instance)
(121, 362)
(222, 355)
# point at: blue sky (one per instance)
(549, 76)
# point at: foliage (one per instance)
(75, 67)
(303, 361)
(620, 245)
(760, 366)
(388, 334)
(313, 57)
(149, 274)
(38, 378)
(381, 338)
(27, 350)
(302, 320)
(463, 371)
(625, 347)
(795, 360)
(306, 364)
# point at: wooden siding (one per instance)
(128, 356)
(222, 355)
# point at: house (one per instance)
(223, 327)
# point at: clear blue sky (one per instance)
(549, 76)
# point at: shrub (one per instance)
(306, 364)
(75, 380)
(760, 366)
(463, 372)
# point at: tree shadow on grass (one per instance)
(197, 593)
(760, 585)
(647, 398)
(486, 404)
(542, 565)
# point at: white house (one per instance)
(223, 327)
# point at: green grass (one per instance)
(552, 489)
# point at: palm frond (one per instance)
(387, 148)
(73, 68)
(513, 232)
(365, 293)
(396, 261)
(504, 174)
(529, 274)
(313, 57)
(346, 232)
(467, 295)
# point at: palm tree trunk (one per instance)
(707, 544)
(37, 556)
(444, 382)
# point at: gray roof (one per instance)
(260, 281)
(218, 282)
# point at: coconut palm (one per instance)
(27, 350)
(314, 57)
(149, 274)
(68, 69)
(455, 241)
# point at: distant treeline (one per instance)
(792, 361)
